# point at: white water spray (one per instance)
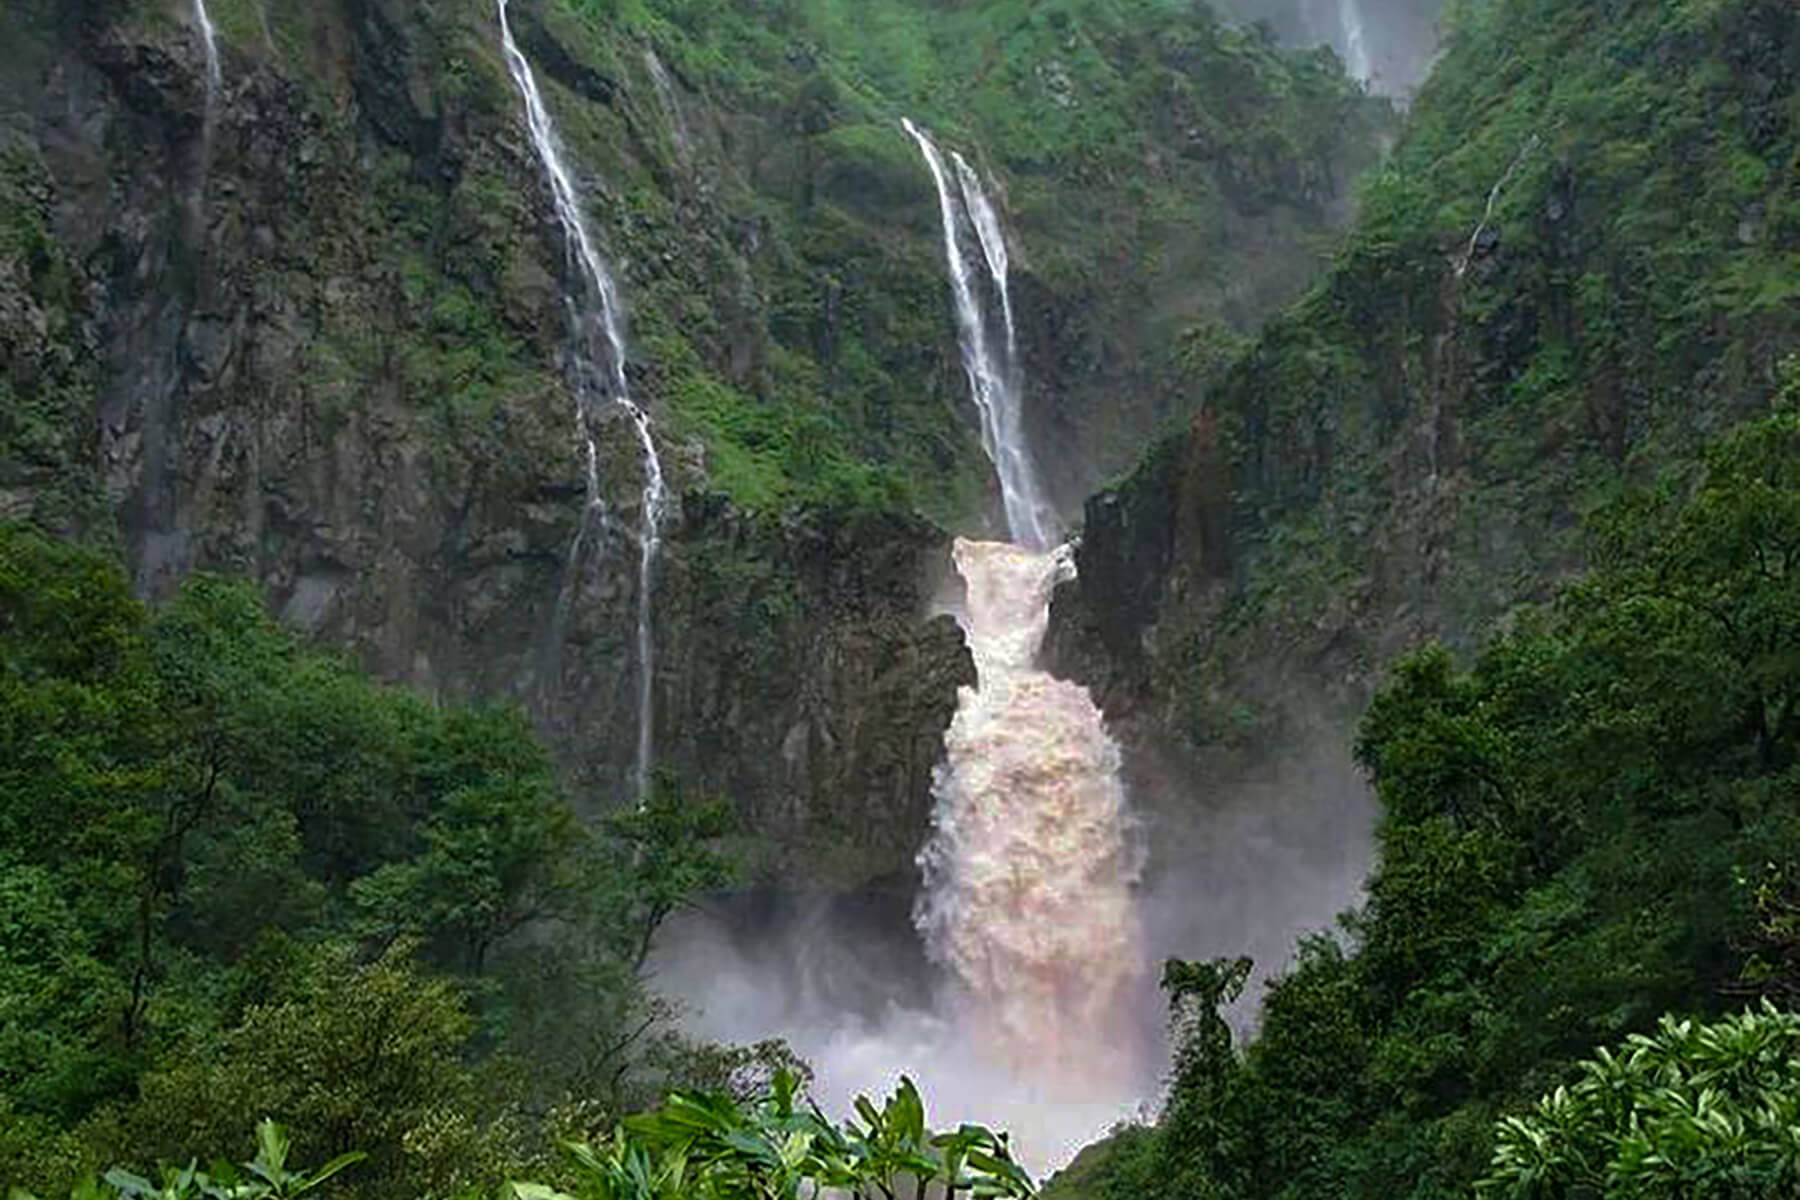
(993, 377)
(1029, 874)
(1042, 1023)
(209, 37)
(600, 375)
(1356, 41)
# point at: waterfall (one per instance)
(993, 249)
(993, 376)
(1030, 870)
(209, 36)
(1356, 44)
(599, 375)
(1041, 1019)
(665, 95)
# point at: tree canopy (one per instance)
(240, 879)
(1589, 825)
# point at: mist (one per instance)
(1247, 868)
(1389, 44)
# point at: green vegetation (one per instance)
(239, 880)
(701, 1146)
(1590, 825)
(1421, 433)
(1710, 1110)
(49, 370)
(1534, 357)
(697, 1145)
(856, 396)
(265, 1177)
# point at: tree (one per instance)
(1712, 576)
(667, 854)
(355, 1056)
(1587, 824)
(498, 856)
(579, 1005)
(1198, 1130)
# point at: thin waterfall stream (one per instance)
(209, 37)
(992, 376)
(598, 360)
(671, 105)
(1356, 41)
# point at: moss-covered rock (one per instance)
(1580, 259)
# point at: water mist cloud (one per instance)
(1245, 866)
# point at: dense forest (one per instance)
(243, 880)
(1589, 824)
(1455, 433)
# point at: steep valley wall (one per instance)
(308, 327)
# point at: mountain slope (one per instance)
(310, 329)
(1582, 257)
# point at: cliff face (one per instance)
(309, 327)
(1569, 273)
(314, 334)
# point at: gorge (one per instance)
(613, 550)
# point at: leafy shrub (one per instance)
(265, 1177)
(711, 1146)
(1693, 1110)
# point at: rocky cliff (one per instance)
(1582, 257)
(308, 326)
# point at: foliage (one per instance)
(1694, 1109)
(354, 1055)
(265, 1177)
(697, 1145)
(1424, 429)
(702, 1145)
(1204, 1067)
(238, 879)
(1590, 824)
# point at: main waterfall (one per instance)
(598, 361)
(1029, 874)
(1042, 1019)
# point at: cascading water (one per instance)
(1356, 42)
(599, 376)
(993, 377)
(665, 95)
(209, 37)
(1030, 871)
(993, 249)
(1044, 1022)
